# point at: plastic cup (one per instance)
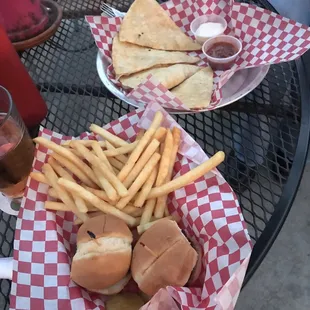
(207, 19)
(222, 63)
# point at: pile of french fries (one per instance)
(128, 180)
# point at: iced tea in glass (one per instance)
(16, 148)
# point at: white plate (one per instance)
(241, 83)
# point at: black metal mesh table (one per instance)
(265, 135)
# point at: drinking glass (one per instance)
(16, 149)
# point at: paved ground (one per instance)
(283, 279)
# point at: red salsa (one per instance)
(222, 50)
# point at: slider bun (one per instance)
(162, 257)
(115, 288)
(102, 261)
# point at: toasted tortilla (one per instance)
(147, 24)
(129, 58)
(196, 91)
(170, 76)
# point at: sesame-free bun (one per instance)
(162, 256)
(115, 288)
(103, 253)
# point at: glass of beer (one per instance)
(16, 148)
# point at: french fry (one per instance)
(38, 176)
(77, 222)
(90, 214)
(176, 133)
(160, 134)
(99, 152)
(142, 228)
(140, 180)
(106, 185)
(112, 178)
(188, 177)
(148, 211)
(95, 201)
(122, 158)
(133, 211)
(59, 170)
(146, 155)
(86, 143)
(66, 143)
(115, 163)
(80, 204)
(72, 150)
(145, 190)
(161, 206)
(75, 152)
(92, 208)
(84, 151)
(99, 193)
(52, 193)
(69, 155)
(138, 220)
(140, 134)
(93, 211)
(60, 206)
(75, 170)
(161, 203)
(108, 175)
(165, 159)
(143, 142)
(56, 206)
(121, 150)
(62, 193)
(117, 141)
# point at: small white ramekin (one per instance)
(207, 19)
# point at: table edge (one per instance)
(283, 207)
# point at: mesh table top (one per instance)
(264, 135)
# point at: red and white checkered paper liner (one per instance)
(210, 216)
(267, 38)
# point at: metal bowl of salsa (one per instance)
(222, 51)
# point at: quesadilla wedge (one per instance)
(169, 76)
(129, 58)
(147, 24)
(196, 91)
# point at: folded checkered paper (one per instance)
(210, 217)
(267, 38)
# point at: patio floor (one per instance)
(283, 279)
